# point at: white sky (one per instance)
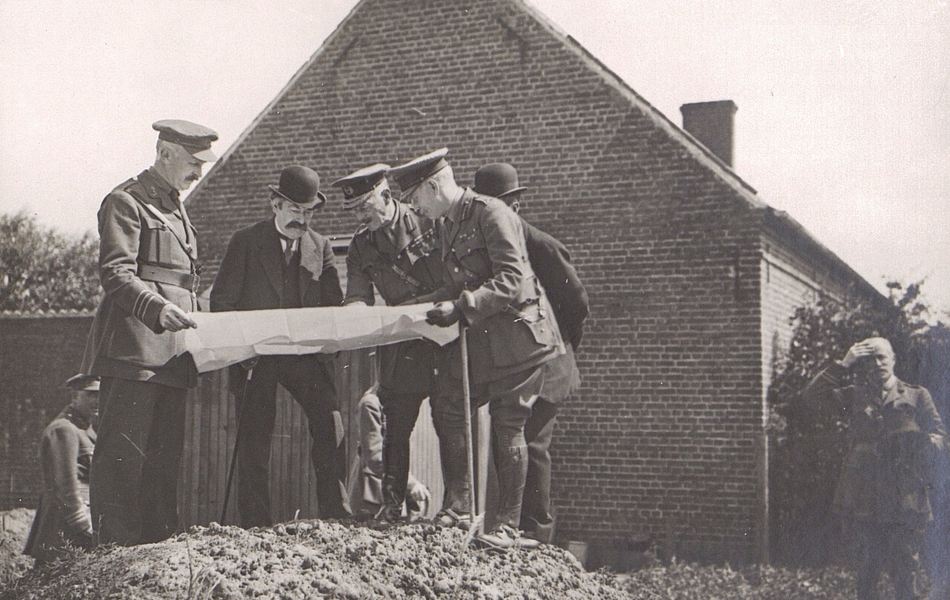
(843, 121)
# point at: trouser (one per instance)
(309, 380)
(509, 403)
(891, 548)
(536, 509)
(133, 487)
(401, 412)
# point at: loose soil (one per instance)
(14, 528)
(317, 559)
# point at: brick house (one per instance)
(692, 277)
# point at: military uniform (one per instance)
(147, 257)
(886, 474)
(511, 335)
(398, 260)
(62, 518)
(551, 262)
(147, 260)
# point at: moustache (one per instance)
(296, 225)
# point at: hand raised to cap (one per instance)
(859, 350)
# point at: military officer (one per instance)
(148, 267)
(394, 251)
(551, 262)
(491, 287)
(894, 431)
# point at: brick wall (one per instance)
(37, 356)
(664, 440)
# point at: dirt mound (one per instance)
(317, 559)
(14, 528)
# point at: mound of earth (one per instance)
(317, 559)
(14, 529)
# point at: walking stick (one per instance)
(476, 527)
(237, 440)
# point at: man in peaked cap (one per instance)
(895, 432)
(66, 448)
(491, 287)
(551, 262)
(280, 262)
(148, 267)
(394, 251)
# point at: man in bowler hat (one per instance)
(280, 262)
(148, 268)
(394, 251)
(551, 262)
(491, 287)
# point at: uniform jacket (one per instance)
(402, 261)
(250, 275)
(551, 262)
(887, 470)
(66, 449)
(141, 225)
(486, 260)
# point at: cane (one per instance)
(237, 440)
(469, 444)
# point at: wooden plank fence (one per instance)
(211, 428)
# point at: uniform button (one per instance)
(456, 269)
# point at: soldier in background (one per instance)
(367, 477)
(895, 431)
(148, 267)
(62, 519)
(394, 251)
(552, 264)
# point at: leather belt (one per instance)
(181, 279)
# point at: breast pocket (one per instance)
(154, 243)
(473, 261)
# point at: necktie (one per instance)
(288, 249)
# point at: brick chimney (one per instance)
(712, 124)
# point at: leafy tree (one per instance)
(44, 270)
(808, 440)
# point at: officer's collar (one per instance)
(157, 188)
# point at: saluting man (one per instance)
(395, 252)
(491, 287)
(280, 262)
(149, 271)
(895, 433)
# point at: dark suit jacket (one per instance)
(552, 264)
(250, 278)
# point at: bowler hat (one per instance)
(300, 185)
(497, 180)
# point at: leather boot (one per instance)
(512, 466)
(454, 471)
